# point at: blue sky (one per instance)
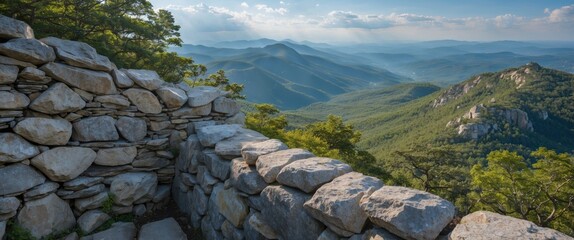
(372, 21)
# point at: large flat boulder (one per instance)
(337, 203)
(46, 215)
(408, 213)
(199, 96)
(210, 135)
(232, 206)
(230, 148)
(163, 229)
(28, 50)
(225, 105)
(116, 156)
(270, 165)
(13, 182)
(147, 79)
(8, 74)
(130, 187)
(78, 54)
(121, 79)
(252, 151)
(95, 129)
(13, 100)
(132, 129)
(246, 178)
(118, 231)
(172, 97)
(489, 225)
(284, 214)
(12, 28)
(88, 80)
(45, 131)
(15, 148)
(59, 98)
(91, 220)
(309, 174)
(144, 100)
(62, 164)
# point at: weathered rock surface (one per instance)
(88, 80)
(8, 205)
(144, 100)
(147, 79)
(246, 178)
(13, 182)
(130, 187)
(489, 225)
(172, 97)
(258, 224)
(311, 173)
(210, 135)
(41, 191)
(64, 163)
(2, 223)
(132, 129)
(283, 206)
(15, 148)
(215, 217)
(13, 100)
(118, 231)
(93, 202)
(230, 232)
(59, 98)
(116, 156)
(118, 100)
(84, 193)
(226, 105)
(12, 28)
(232, 206)
(408, 213)
(95, 129)
(164, 229)
(231, 148)
(252, 151)
(199, 201)
(45, 131)
(46, 215)
(28, 50)
(218, 167)
(121, 79)
(8, 74)
(78, 54)
(199, 96)
(337, 203)
(91, 220)
(82, 182)
(270, 165)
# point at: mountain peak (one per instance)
(281, 50)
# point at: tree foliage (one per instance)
(542, 193)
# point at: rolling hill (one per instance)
(517, 109)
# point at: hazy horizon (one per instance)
(371, 21)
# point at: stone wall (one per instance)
(79, 138)
(76, 132)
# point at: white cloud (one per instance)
(563, 14)
(244, 5)
(267, 9)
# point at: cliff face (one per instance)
(80, 140)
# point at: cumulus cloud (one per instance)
(342, 19)
(267, 9)
(563, 14)
(244, 5)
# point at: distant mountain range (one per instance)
(294, 74)
(518, 109)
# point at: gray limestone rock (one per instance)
(59, 98)
(121, 79)
(147, 79)
(78, 54)
(231, 148)
(132, 129)
(246, 178)
(226, 106)
(12, 28)
(172, 97)
(13, 182)
(270, 165)
(230, 232)
(41, 191)
(128, 188)
(46, 215)
(15, 148)
(199, 96)
(256, 222)
(408, 213)
(87, 80)
(213, 210)
(309, 174)
(13, 100)
(28, 50)
(144, 100)
(64, 163)
(91, 220)
(84, 193)
(93, 202)
(116, 156)
(164, 229)
(117, 100)
(95, 129)
(8, 74)
(218, 167)
(199, 201)
(45, 131)
(337, 203)
(252, 151)
(118, 231)
(210, 135)
(82, 182)
(232, 206)
(9, 205)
